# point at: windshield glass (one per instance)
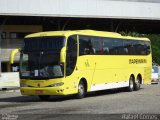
(40, 58)
(43, 44)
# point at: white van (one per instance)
(155, 76)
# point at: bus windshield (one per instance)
(40, 58)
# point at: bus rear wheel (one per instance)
(44, 97)
(130, 88)
(137, 84)
(81, 90)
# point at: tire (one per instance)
(130, 88)
(44, 97)
(81, 90)
(137, 84)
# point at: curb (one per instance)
(10, 89)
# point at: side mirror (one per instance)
(63, 55)
(12, 55)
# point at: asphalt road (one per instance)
(110, 104)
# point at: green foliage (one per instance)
(134, 34)
(155, 43)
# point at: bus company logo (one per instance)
(137, 61)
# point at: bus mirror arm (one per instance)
(12, 55)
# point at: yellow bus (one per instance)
(81, 61)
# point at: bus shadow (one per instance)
(21, 99)
(90, 94)
(109, 92)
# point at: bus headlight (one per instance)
(23, 85)
(57, 84)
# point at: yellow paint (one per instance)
(12, 55)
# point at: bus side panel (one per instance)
(110, 72)
(118, 69)
(148, 70)
(147, 75)
(85, 68)
(111, 69)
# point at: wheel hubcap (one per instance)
(131, 84)
(138, 84)
(81, 89)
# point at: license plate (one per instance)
(38, 92)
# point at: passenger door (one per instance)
(71, 60)
(71, 54)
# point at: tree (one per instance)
(155, 42)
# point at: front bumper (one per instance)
(43, 91)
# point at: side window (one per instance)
(119, 46)
(90, 45)
(71, 56)
(97, 45)
(115, 46)
(107, 46)
(132, 48)
(142, 48)
(128, 47)
(85, 45)
(147, 47)
(138, 47)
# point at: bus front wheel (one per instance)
(81, 90)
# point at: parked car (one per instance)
(155, 75)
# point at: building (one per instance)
(21, 17)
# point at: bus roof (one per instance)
(84, 32)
